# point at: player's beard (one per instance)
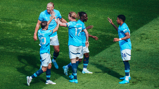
(85, 20)
(49, 12)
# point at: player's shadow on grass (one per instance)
(78, 68)
(107, 70)
(30, 66)
(31, 63)
(61, 62)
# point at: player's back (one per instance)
(82, 33)
(74, 32)
(44, 37)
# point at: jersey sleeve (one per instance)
(83, 27)
(41, 17)
(69, 24)
(125, 29)
(59, 15)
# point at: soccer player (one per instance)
(75, 42)
(125, 45)
(43, 35)
(45, 16)
(83, 18)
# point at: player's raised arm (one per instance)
(89, 27)
(62, 24)
(51, 18)
(63, 20)
(86, 32)
(111, 22)
(94, 37)
(36, 29)
(56, 28)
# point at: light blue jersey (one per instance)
(44, 37)
(74, 31)
(45, 16)
(83, 33)
(83, 39)
(124, 44)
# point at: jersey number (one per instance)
(42, 40)
(77, 30)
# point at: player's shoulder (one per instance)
(40, 30)
(80, 22)
(71, 23)
(48, 31)
(56, 11)
(43, 12)
(124, 26)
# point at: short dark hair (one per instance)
(122, 17)
(43, 24)
(80, 14)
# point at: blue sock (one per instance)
(40, 62)
(85, 62)
(77, 62)
(127, 68)
(69, 65)
(37, 73)
(55, 55)
(48, 74)
(125, 64)
(74, 70)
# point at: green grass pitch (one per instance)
(19, 53)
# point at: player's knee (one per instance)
(49, 66)
(86, 55)
(57, 50)
(44, 69)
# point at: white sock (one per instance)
(31, 77)
(127, 78)
(84, 68)
(129, 74)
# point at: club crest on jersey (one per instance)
(124, 30)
